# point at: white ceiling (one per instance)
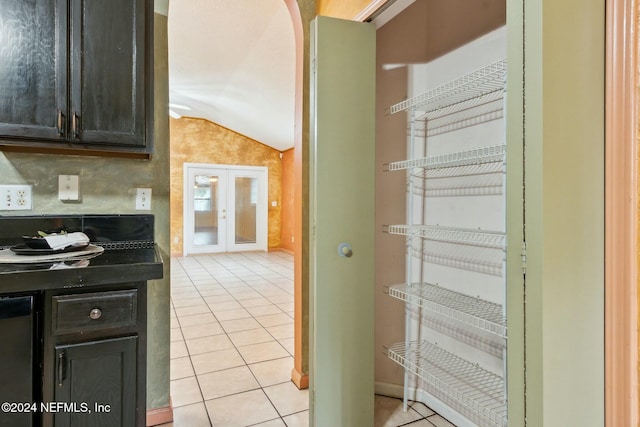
(232, 62)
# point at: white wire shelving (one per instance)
(468, 101)
(485, 109)
(475, 157)
(460, 94)
(461, 190)
(476, 312)
(471, 258)
(474, 172)
(474, 391)
(461, 236)
(472, 250)
(478, 156)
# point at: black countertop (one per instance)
(117, 264)
(110, 267)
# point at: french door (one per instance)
(225, 208)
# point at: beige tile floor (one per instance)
(232, 346)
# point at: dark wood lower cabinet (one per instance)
(94, 357)
(97, 382)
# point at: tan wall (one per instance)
(391, 86)
(430, 28)
(200, 141)
(288, 220)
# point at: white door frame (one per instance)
(226, 221)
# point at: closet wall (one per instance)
(426, 30)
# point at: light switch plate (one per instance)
(68, 187)
(143, 199)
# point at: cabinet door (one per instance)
(33, 67)
(107, 72)
(98, 380)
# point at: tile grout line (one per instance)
(195, 375)
(226, 333)
(272, 281)
(262, 388)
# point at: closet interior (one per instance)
(452, 352)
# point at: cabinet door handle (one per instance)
(95, 314)
(75, 122)
(60, 124)
(62, 368)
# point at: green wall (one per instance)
(107, 185)
(556, 339)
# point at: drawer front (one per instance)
(80, 313)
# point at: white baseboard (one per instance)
(388, 389)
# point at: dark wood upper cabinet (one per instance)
(107, 71)
(76, 75)
(33, 71)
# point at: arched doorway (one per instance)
(300, 371)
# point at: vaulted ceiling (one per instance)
(232, 62)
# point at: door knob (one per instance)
(344, 250)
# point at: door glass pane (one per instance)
(205, 209)
(246, 189)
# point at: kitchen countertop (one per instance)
(110, 267)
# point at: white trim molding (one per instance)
(621, 217)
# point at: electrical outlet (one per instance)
(15, 198)
(143, 199)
